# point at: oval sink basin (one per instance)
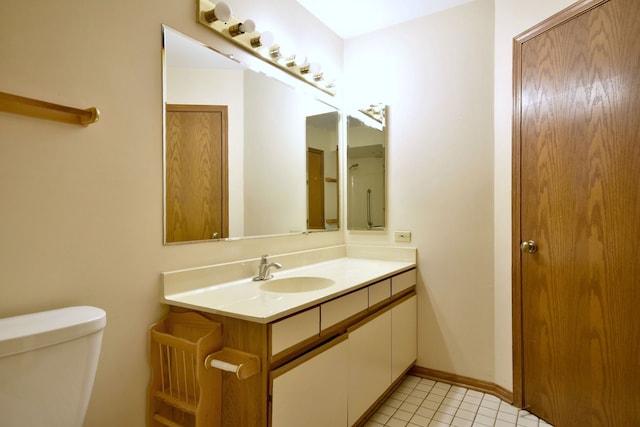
(296, 284)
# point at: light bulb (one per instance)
(247, 26)
(265, 39)
(300, 60)
(296, 60)
(221, 12)
(314, 68)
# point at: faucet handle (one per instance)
(264, 258)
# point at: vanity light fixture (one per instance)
(265, 39)
(297, 61)
(247, 26)
(282, 53)
(275, 52)
(219, 18)
(221, 12)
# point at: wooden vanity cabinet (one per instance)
(326, 365)
(378, 328)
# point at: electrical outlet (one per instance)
(403, 236)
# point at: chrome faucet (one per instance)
(265, 267)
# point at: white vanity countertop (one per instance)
(244, 299)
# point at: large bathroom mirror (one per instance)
(366, 157)
(245, 154)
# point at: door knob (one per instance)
(529, 246)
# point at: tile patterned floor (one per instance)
(419, 402)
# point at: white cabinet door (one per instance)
(313, 393)
(404, 335)
(369, 364)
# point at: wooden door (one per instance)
(577, 195)
(196, 173)
(315, 188)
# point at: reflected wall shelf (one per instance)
(47, 110)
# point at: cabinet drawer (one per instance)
(379, 292)
(339, 309)
(292, 330)
(403, 281)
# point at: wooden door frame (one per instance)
(559, 18)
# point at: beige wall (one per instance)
(269, 144)
(81, 208)
(436, 74)
(512, 17)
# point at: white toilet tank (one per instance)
(48, 362)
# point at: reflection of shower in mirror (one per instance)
(366, 165)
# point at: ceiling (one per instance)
(351, 18)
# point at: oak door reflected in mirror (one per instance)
(196, 197)
(366, 165)
(323, 204)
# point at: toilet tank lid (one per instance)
(35, 330)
